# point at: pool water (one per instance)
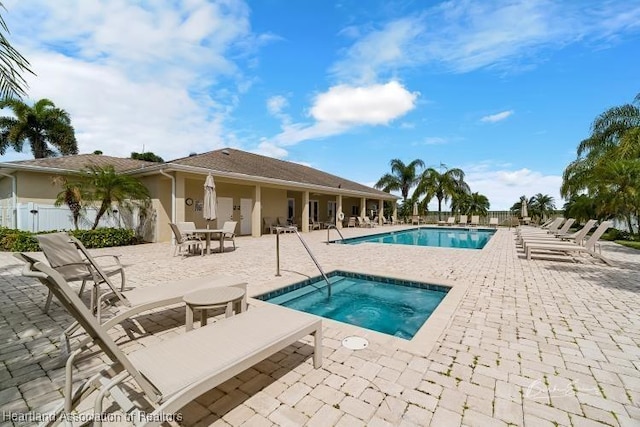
(391, 306)
(441, 237)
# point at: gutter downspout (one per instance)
(173, 201)
(14, 199)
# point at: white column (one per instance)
(305, 212)
(395, 210)
(380, 211)
(363, 207)
(256, 212)
(338, 210)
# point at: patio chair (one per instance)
(171, 373)
(415, 219)
(367, 222)
(493, 222)
(531, 247)
(187, 228)
(462, 222)
(228, 233)
(351, 222)
(65, 255)
(451, 220)
(187, 241)
(268, 224)
(475, 220)
(314, 225)
(283, 222)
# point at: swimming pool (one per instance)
(391, 306)
(464, 238)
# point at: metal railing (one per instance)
(294, 229)
(333, 227)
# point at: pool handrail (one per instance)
(333, 227)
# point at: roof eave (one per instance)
(169, 167)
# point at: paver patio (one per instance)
(531, 343)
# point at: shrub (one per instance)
(615, 234)
(24, 241)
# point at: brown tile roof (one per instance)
(242, 162)
(80, 161)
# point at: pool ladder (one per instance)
(333, 227)
(280, 230)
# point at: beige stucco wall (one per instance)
(36, 188)
(6, 192)
(160, 191)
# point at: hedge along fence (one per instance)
(24, 241)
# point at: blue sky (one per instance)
(504, 90)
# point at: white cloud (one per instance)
(504, 186)
(466, 35)
(493, 118)
(435, 140)
(343, 108)
(266, 148)
(376, 104)
(378, 51)
(130, 74)
(276, 104)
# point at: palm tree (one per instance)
(42, 125)
(401, 178)
(442, 186)
(72, 195)
(108, 187)
(581, 207)
(541, 206)
(617, 190)
(607, 163)
(478, 204)
(12, 84)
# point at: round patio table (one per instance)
(210, 298)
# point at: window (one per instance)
(291, 212)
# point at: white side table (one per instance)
(210, 298)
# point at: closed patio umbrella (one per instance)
(415, 209)
(209, 208)
(524, 212)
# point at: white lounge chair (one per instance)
(577, 237)
(451, 220)
(475, 220)
(551, 228)
(173, 372)
(568, 247)
(463, 221)
(68, 256)
(493, 222)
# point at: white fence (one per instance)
(39, 217)
(503, 217)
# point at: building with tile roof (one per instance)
(251, 189)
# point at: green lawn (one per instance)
(627, 243)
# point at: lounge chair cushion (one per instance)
(222, 349)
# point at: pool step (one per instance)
(318, 286)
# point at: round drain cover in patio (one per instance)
(355, 343)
